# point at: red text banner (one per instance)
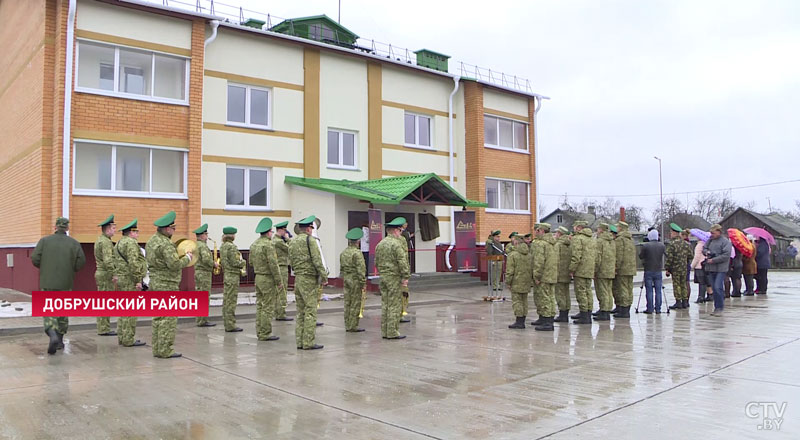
(145, 303)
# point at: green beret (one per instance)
(263, 226)
(528, 235)
(306, 221)
(62, 222)
(396, 223)
(563, 230)
(354, 234)
(495, 233)
(622, 225)
(613, 228)
(282, 225)
(513, 234)
(229, 230)
(108, 221)
(132, 225)
(167, 220)
(583, 223)
(675, 227)
(202, 229)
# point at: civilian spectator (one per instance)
(718, 256)
(749, 270)
(763, 264)
(652, 255)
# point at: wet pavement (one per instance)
(461, 373)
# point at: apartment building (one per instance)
(228, 121)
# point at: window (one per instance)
(128, 170)
(246, 188)
(248, 106)
(504, 133)
(417, 130)
(341, 149)
(320, 32)
(508, 196)
(559, 219)
(132, 73)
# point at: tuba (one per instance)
(217, 266)
(184, 246)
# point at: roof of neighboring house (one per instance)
(689, 221)
(782, 225)
(419, 188)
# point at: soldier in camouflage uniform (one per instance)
(582, 268)
(562, 286)
(391, 259)
(281, 243)
(268, 279)
(605, 271)
(510, 244)
(353, 269)
(131, 267)
(493, 247)
(535, 247)
(232, 264)
(528, 239)
(165, 275)
(626, 269)
(675, 265)
(309, 274)
(203, 270)
(405, 240)
(58, 256)
(104, 274)
(519, 280)
(545, 276)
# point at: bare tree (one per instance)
(705, 204)
(672, 206)
(725, 205)
(634, 217)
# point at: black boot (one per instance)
(563, 316)
(736, 294)
(597, 313)
(538, 321)
(546, 325)
(686, 304)
(576, 316)
(520, 323)
(678, 305)
(700, 299)
(614, 310)
(583, 318)
(60, 341)
(623, 312)
(602, 316)
(53, 345)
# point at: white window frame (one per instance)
(247, 124)
(497, 181)
(246, 206)
(116, 93)
(416, 143)
(497, 127)
(341, 165)
(113, 192)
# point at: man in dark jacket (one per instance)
(652, 256)
(718, 258)
(58, 257)
(763, 263)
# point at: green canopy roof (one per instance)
(427, 189)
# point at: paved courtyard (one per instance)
(461, 373)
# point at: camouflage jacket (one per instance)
(564, 251)
(104, 256)
(229, 256)
(131, 264)
(584, 254)
(606, 256)
(281, 249)
(264, 259)
(509, 248)
(205, 259)
(493, 247)
(679, 255)
(518, 270)
(391, 259)
(626, 254)
(352, 265)
(305, 257)
(163, 261)
(545, 260)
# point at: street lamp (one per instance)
(661, 191)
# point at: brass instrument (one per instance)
(217, 265)
(405, 305)
(185, 246)
(243, 270)
(363, 301)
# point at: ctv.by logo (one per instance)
(766, 411)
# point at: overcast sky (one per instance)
(711, 87)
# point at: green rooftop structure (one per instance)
(319, 28)
(432, 60)
(423, 189)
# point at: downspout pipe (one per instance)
(456, 82)
(65, 147)
(214, 25)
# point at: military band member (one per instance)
(510, 244)
(626, 269)
(493, 247)
(545, 276)
(232, 264)
(391, 259)
(582, 268)
(281, 242)
(58, 256)
(104, 273)
(528, 239)
(131, 268)
(605, 270)
(675, 266)
(203, 270)
(406, 241)
(519, 279)
(562, 286)
(353, 269)
(268, 279)
(306, 260)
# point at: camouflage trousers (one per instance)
(266, 293)
(280, 302)
(679, 288)
(202, 282)
(306, 293)
(391, 306)
(352, 302)
(496, 272)
(583, 293)
(164, 327)
(605, 297)
(230, 297)
(519, 303)
(126, 325)
(562, 296)
(59, 323)
(623, 290)
(104, 284)
(546, 304)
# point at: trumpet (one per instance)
(217, 266)
(405, 305)
(363, 300)
(243, 270)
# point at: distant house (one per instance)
(566, 217)
(784, 230)
(686, 221)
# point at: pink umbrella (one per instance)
(761, 233)
(700, 234)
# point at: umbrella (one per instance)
(700, 234)
(761, 233)
(741, 243)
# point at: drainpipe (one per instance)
(65, 161)
(214, 25)
(536, 152)
(456, 80)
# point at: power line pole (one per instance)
(661, 192)
(340, 12)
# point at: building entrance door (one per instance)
(412, 228)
